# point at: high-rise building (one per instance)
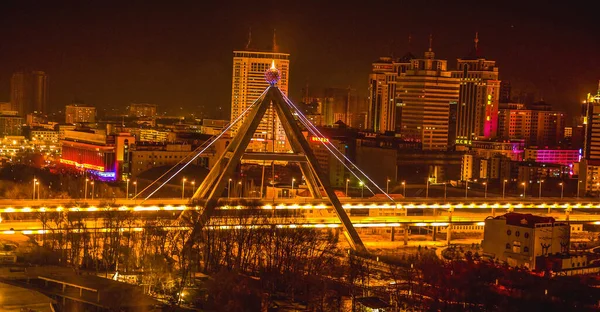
(327, 106)
(249, 83)
(505, 91)
(423, 94)
(542, 128)
(78, 113)
(589, 168)
(384, 109)
(477, 110)
(382, 95)
(142, 110)
(29, 92)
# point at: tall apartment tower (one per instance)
(248, 84)
(477, 109)
(29, 92)
(589, 168)
(425, 93)
(384, 109)
(382, 94)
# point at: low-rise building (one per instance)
(519, 239)
(147, 156)
(10, 123)
(104, 156)
(565, 157)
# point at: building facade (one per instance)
(382, 95)
(477, 109)
(589, 168)
(553, 156)
(540, 128)
(424, 95)
(29, 92)
(143, 110)
(519, 239)
(147, 156)
(249, 83)
(77, 113)
(105, 157)
(10, 123)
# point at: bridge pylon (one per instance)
(211, 189)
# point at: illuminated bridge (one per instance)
(208, 209)
(24, 216)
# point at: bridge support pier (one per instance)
(393, 233)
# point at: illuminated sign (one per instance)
(106, 175)
(78, 165)
(318, 139)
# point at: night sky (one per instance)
(178, 54)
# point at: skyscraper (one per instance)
(589, 168)
(249, 83)
(382, 94)
(384, 109)
(424, 94)
(29, 92)
(477, 110)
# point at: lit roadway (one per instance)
(306, 212)
(28, 205)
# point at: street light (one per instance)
(598, 187)
(293, 180)
(240, 188)
(362, 189)
(127, 189)
(33, 192)
(404, 187)
(38, 189)
(135, 187)
(193, 185)
(92, 183)
(183, 188)
(466, 188)
(229, 189)
(427, 188)
(562, 189)
(347, 180)
(85, 189)
(524, 189)
(504, 188)
(540, 190)
(485, 192)
(387, 186)
(445, 189)
(578, 184)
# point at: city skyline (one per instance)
(168, 57)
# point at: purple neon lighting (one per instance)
(210, 144)
(312, 128)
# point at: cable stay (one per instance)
(315, 131)
(203, 148)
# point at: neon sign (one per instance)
(318, 139)
(78, 165)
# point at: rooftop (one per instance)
(524, 219)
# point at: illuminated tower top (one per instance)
(272, 74)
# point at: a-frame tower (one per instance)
(214, 184)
